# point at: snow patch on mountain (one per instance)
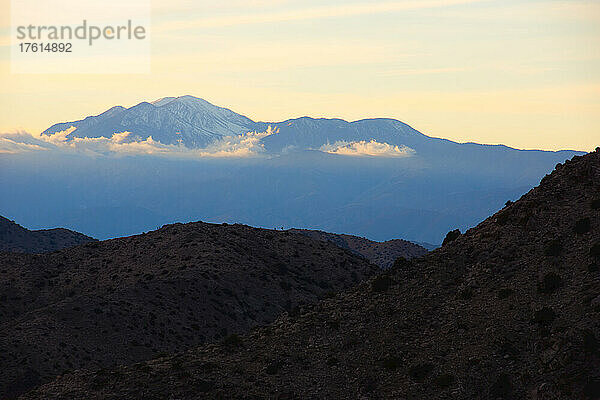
(194, 122)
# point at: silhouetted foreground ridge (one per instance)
(130, 299)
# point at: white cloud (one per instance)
(122, 143)
(364, 148)
(58, 138)
(14, 143)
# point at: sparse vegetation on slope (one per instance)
(521, 333)
(131, 299)
(383, 254)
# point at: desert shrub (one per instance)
(505, 292)
(502, 218)
(369, 384)
(592, 389)
(582, 226)
(590, 343)
(553, 248)
(595, 204)
(550, 283)
(507, 348)
(595, 250)
(323, 284)
(451, 236)
(381, 283)
(401, 262)
(444, 380)
(524, 220)
(202, 386)
(544, 316)
(208, 367)
(295, 312)
(232, 341)
(281, 269)
(331, 361)
(391, 363)
(593, 267)
(508, 203)
(420, 372)
(143, 367)
(545, 180)
(501, 388)
(99, 382)
(465, 293)
(272, 368)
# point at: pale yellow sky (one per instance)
(521, 73)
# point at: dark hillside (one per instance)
(131, 299)
(380, 253)
(508, 310)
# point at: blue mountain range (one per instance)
(377, 178)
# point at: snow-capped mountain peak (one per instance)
(193, 121)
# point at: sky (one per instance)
(521, 73)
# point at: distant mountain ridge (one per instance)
(196, 122)
(383, 254)
(376, 178)
(15, 238)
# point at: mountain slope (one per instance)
(383, 254)
(195, 122)
(130, 299)
(312, 133)
(508, 310)
(15, 238)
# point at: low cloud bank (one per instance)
(363, 148)
(14, 143)
(124, 143)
